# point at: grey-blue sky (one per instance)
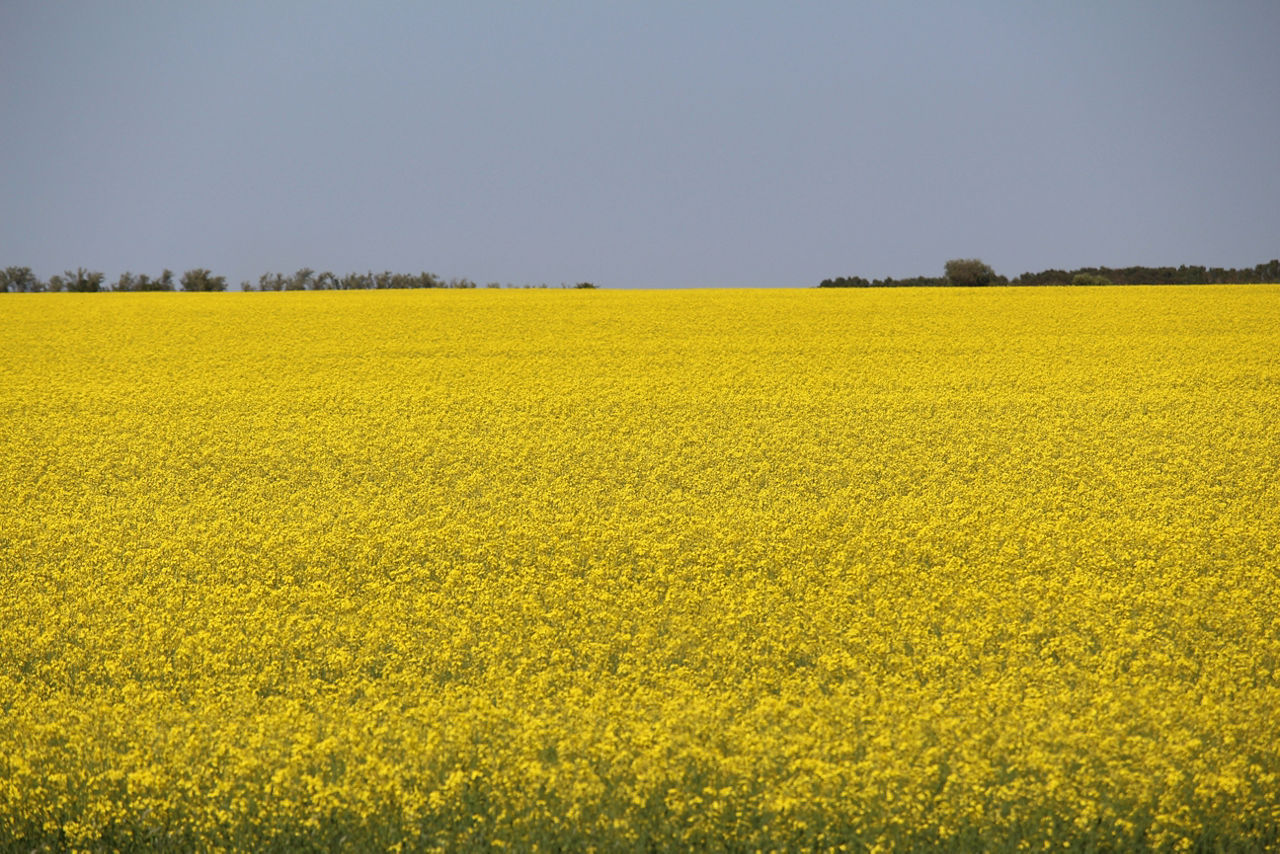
(645, 144)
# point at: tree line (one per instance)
(973, 272)
(23, 280)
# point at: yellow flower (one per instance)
(570, 570)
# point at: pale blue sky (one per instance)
(642, 144)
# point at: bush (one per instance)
(1089, 280)
(969, 272)
(201, 279)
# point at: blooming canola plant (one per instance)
(929, 568)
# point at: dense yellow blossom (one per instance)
(970, 569)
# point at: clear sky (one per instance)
(638, 144)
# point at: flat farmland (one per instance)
(864, 570)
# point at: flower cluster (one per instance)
(871, 570)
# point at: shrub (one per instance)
(969, 272)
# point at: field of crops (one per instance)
(876, 570)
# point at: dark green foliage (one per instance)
(969, 272)
(845, 282)
(19, 280)
(307, 279)
(1268, 272)
(271, 282)
(81, 281)
(128, 282)
(888, 282)
(201, 279)
(303, 280)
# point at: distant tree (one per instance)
(126, 282)
(201, 279)
(581, 286)
(164, 283)
(82, 281)
(969, 272)
(301, 281)
(1045, 277)
(326, 281)
(18, 280)
(962, 271)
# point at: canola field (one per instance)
(881, 570)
